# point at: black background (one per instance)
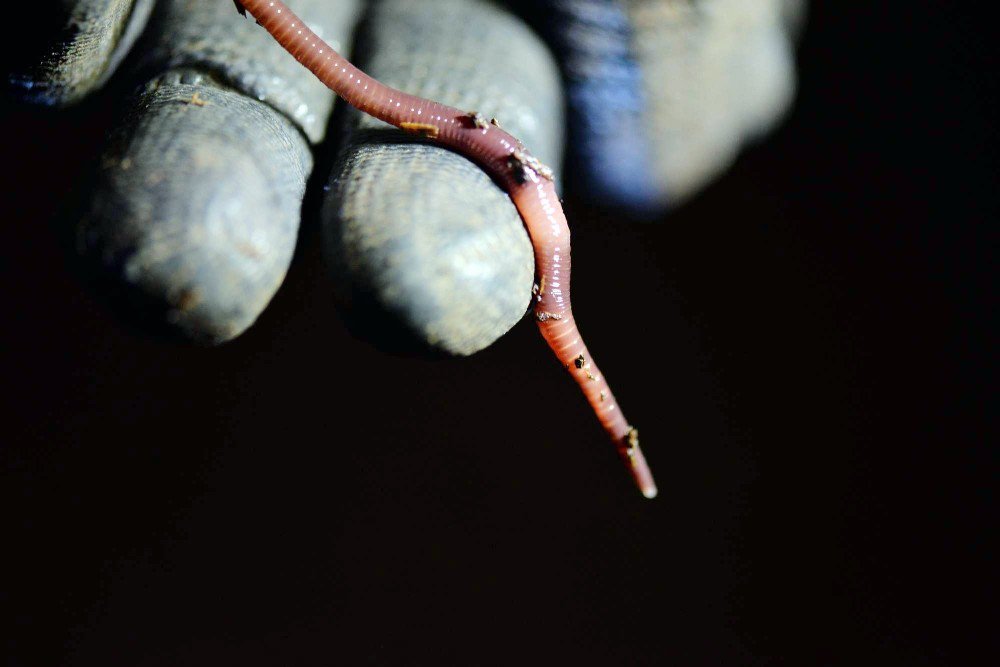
(815, 410)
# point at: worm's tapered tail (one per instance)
(528, 182)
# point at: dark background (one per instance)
(815, 410)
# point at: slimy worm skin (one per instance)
(527, 181)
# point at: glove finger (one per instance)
(73, 47)
(195, 215)
(717, 73)
(608, 150)
(763, 68)
(427, 250)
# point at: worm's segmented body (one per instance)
(527, 181)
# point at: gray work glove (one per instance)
(196, 210)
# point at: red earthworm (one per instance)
(527, 181)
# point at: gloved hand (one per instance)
(196, 212)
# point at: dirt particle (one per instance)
(525, 165)
(196, 100)
(478, 120)
(631, 441)
(427, 130)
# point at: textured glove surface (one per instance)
(420, 238)
(196, 212)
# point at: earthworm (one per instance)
(527, 181)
